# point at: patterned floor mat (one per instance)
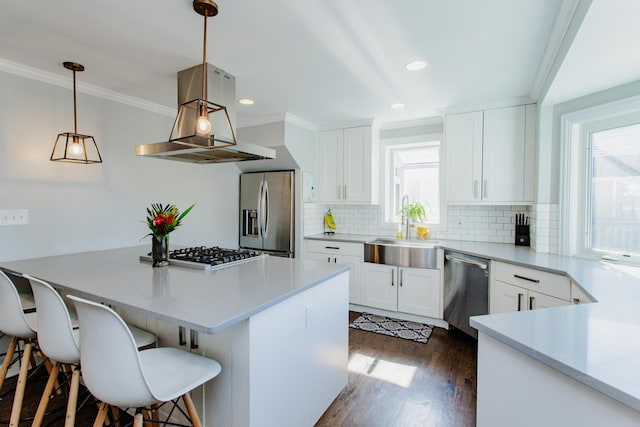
(396, 328)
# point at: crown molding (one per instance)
(490, 105)
(426, 121)
(67, 83)
(300, 122)
(565, 28)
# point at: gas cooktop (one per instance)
(209, 258)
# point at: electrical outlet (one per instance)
(14, 216)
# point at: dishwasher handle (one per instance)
(480, 265)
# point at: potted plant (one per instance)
(162, 220)
(417, 214)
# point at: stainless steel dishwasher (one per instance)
(466, 289)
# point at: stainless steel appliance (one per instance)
(267, 212)
(466, 289)
(212, 258)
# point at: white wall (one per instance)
(84, 207)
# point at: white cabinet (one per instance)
(282, 366)
(578, 295)
(516, 288)
(340, 253)
(490, 156)
(403, 289)
(347, 166)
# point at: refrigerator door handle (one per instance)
(260, 209)
(266, 209)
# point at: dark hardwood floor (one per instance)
(400, 383)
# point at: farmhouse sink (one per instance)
(403, 253)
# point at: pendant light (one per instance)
(193, 123)
(73, 147)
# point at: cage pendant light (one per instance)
(73, 147)
(193, 123)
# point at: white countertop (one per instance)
(207, 301)
(597, 344)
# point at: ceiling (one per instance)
(328, 62)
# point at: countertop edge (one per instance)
(580, 376)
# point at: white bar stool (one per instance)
(58, 339)
(21, 327)
(119, 375)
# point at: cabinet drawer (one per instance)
(540, 281)
(335, 248)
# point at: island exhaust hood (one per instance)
(221, 87)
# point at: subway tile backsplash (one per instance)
(474, 223)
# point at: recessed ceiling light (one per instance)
(245, 101)
(396, 106)
(415, 65)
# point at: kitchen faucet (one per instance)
(405, 198)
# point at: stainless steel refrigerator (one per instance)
(267, 212)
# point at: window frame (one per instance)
(575, 179)
(386, 180)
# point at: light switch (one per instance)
(14, 216)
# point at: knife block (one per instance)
(523, 237)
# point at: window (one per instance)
(613, 191)
(412, 168)
(600, 183)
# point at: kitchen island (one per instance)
(278, 326)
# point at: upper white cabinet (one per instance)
(490, 156)
(347, 160)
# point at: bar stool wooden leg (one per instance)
(44, 400)
(7, 360)
(102, 412)
(137, 420)
(20, 386)
(73, 399)
(115, 414)
(155, 413)
(146, 415)
(191, 410)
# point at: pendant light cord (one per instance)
(204, 61)
(75, 108)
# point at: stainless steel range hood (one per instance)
(221, 89)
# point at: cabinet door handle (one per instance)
(338, 188)
(531, 301)
(332, 247)
(335, 260)
(194, 339)
(345, 192)
(181, 339)
(393, 273)
(400, 277)
(517, 276)
(484, 188)
(520, 302)
(328, 259)
(475, 188)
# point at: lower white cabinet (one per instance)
(403, 289)
(340, 253)
(506, 298)
(517, 288)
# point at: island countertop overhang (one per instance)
(205, 301)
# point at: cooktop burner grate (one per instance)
(208, 258)
(213, 255)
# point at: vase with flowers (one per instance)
(162, 220)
